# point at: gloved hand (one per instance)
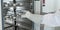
(26, 15)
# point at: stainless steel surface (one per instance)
(21, 23)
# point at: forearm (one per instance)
(35, 18)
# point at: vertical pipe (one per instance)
(14, 1)
(37, 6)
(15, 18)
(41, 7)
(38, 10)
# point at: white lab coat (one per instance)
(52, 20)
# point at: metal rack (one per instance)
(12, 12)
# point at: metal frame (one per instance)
(15, 15)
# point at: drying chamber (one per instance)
(12, 11)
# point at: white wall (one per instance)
(49, 6)
(58, 4)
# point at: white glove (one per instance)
(26, 15)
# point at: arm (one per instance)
(33, 17)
